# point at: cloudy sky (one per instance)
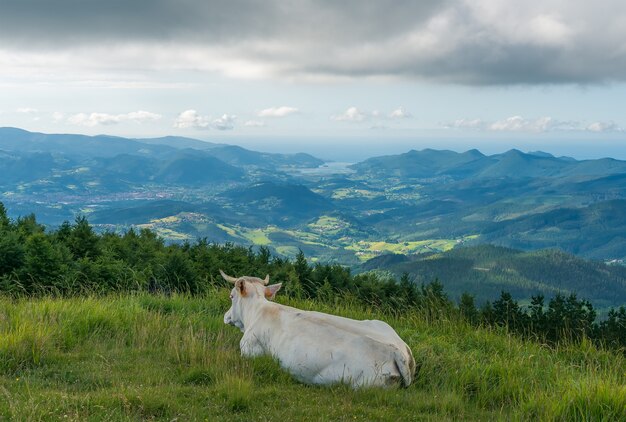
(325, 74)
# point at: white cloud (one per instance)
(466, 124)
(538, 125)
(93, 119)
(191, 119)
(104, 119)
(603, 127)
(519, 124)
(57, 116)
(254, 123)
(225, 122)
(141, 116)
(400, 113)
(277, 111)
(27, 110)
(352, 114)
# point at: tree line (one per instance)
(73, 259)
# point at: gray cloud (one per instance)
(42, 21)
(471, 42)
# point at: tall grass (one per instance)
(142, 357)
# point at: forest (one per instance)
(74, 260)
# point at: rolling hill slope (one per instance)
(597, 231)
(485, 271)
(276, 203)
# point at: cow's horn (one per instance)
(266, 279)
(228, 278)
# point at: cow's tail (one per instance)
(405, 363)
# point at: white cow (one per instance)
(317, 348)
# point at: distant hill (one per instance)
(236, 155)
(141, 213)
(596, 231)
(485, 271)
(195, 169)
(82, 146)
(278, 203)
(133, 168)
(430, 163)
(107, 164)
(12, 139)
(239, 156)
(178, 142)
(417, 164)
(28, 166)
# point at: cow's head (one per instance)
(246, 292)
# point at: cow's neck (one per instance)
(252, 312)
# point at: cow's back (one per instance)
(320, 348)
(375, 329)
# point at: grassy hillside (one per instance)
(157, 358)
(485, 271)
(596, 231)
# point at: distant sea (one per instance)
(326, 169)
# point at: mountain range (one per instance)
(414, 204)
(473, 164)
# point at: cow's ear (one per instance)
(241, 286)
(270, 291)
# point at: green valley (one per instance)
(416, 205)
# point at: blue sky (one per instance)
(320, 76)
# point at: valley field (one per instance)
(411, 203)
(172, 358)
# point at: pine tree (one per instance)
(467, 308)
(83, 242)
(12, 252)
(508, 313)
(179, 273)
(304, 272)
(326, 291)
(5, 222)
(294, 287)
(43, 263)
(408, 289)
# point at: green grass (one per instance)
(369, 249)
(328, 226)
(348, 193)
(156, 358)
(257, 237)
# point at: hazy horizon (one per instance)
(353, 149)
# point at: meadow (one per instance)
(152, 357)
